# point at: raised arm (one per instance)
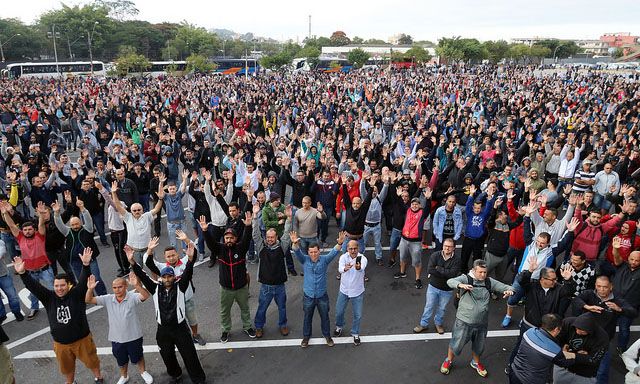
(116, 200)
(86, 216)
(57, 219)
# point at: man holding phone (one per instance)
(351, 267)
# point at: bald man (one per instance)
(125, 331)
(78, 236)
(351, 266)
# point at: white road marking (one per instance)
(279, 343)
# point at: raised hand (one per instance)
(56, 207)
(616, 242)
(533, 263)
(114, 186)
(472, 190)
(319, 207)
(85, 256)
(566, 271)
(42, 208)
(130, 253)
(248, 216)
(288, 211)
(342, 235)
(180, 235)
(293, 235)
(255, 209)
(573, 224)
(18, 265)
(427, 192)
(529, 209)
(185, 174)
(202, 221)
(92, 283)
(98, 185)
(207, 175)
(80, 204)
(67, 196)
(133, 279)
(190, 250)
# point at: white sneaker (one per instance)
(148, 379)
(123, 380)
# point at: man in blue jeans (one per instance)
(351, 266)
(272, 271)
(315, 285)
(175, 210)
(443, 265)
(6, 284)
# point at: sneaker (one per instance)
(506, 321)
(250, 332)
(19, 316)
(3, 318)
(284, 331)
(175, 380)
(330, 342)
(445, 367)
(440, 329)
(199, 339)
(212, 262)
(398, 275)
(32, 314)
(146, 376)
(123, 380)
(379, 262)
(356, 340)
(418, 284)
(293, 272)
(224, 337)
(98, 380)
(337, 332)
(105, 244)
(366, 278)
(507, 370)
(391, 263)
(305, 342)
(479, 368)
(338, 276)
(419, 329)
(259, 333)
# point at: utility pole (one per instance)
(309, 27)
(89, 40)
(55, 35)
(5, 42)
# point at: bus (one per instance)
(236, 66)
(61, 69)
(159, 68)
(333, 65)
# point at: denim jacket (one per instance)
(315, 274)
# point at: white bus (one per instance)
(61, 69)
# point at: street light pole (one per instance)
(555, 60)
(89, 39)
(2, 44)
(55, 35)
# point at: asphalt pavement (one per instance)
(389, 353)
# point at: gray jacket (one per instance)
(474, 305)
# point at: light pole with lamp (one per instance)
(70, 43)
(55, 35)
(90, 36)
(3, 44)
(555, 59)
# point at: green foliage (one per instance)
(276, 61)
(339, 38)
(309, 51)
(375, 42)
(130, 62)
(190, 39)
(496, 50)
(618, 53)
(562, 48)
(358, 57)
(405, 39)
(357, 40)
(199, 63)
(418, 54)
(119, 9)
(23, 47)
(334, 65)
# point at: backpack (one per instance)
(604, 238)
(461, 292)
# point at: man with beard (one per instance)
(232, 274)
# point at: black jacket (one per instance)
(607, 319)
(538, 302)
(232, 272)
(442, 270)
(595, 343)
(354, 219)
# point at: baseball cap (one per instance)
(167, 271)
(230, 231)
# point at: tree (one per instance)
(357, 40)
(358, 57)
(199, 64)
(119, 9)
(450, 49)
(405, 39)
(417, 54)
(128, 61)
(375, 42)
(190, 39)
(19, 41)
(618, 53)
(539, 52)
(562, 48)
(496, 50)
(519, 51)
(275, 61)
(339, 38)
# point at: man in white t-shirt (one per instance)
(138, 224)
(351, 267)
(125, 331)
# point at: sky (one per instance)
(423, 20)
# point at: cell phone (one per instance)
(358, 259)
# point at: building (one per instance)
(619, 39)
(377, 52)
(531, 40)
(596, 47)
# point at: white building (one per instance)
(375, 51)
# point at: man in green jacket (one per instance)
(472, 317)
(273, 215)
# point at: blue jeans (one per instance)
(76, 266)
(601, 202)
(356, 307)
(323, 227)
(518, 292)
(624, 332)
(309, 305)
(376, 233)
(6, 284)
(98, 222)
(46, 279)
(603, 370)
(394, 241)
(437, 301)
(144, 199)
(306, 241)
(10, 244)
(171, 233)
(268, 293)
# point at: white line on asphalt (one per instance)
(296, 342)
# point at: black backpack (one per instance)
(461, 292)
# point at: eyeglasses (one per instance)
(554, 279)
(136, 210)
(352, 249)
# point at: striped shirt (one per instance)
(585, 176)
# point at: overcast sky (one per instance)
(423, 20)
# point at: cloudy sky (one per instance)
(423, 20)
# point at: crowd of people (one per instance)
(533, 174)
